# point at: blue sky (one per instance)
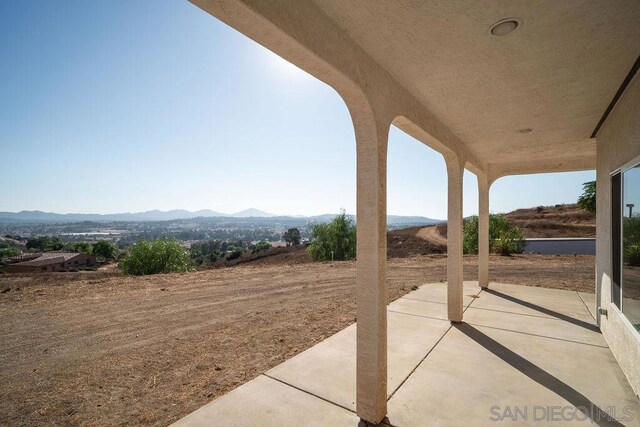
(114, 106)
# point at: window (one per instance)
(625, 211)
(616, 234)
(631, 245)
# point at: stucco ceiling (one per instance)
(555, 74)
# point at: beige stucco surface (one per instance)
(618, 144)
(484, 88)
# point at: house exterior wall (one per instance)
(80, 260)
(618, 143)
(16, 268)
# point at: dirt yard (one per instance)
(95, 349)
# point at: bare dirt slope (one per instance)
(414, 241)
(555, 221)
(101, 349)
(543, 221)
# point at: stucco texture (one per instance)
(618, 143)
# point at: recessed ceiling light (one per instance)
(505, 26)
(525, 130)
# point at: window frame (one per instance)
(635, 162)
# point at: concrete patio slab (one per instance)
(475, 375)
(534, 304)
(437, 292)
(534, 354)
(267, 402)
(575, 330)
(517, 290)
(589, 301)
(328, 369)
(416, 307)
(536, 319)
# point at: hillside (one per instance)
(555, 221)
(566, 220)
(12, 243)
(548, 221)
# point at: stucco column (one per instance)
(371, 253)
(455, 171)
(483, 230)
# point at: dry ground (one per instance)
(99, 349)
(554, 221)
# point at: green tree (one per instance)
(8, 251)
(105, 249)
(503, 237)
(158, 256)
(587, 199)
(631, 240)
(44, 243)
(292, 236)
(80, 247)
(335, 240)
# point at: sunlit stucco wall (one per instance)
(618, 144)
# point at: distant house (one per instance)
(48, 261)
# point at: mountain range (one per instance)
(176, 214)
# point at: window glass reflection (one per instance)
(631, 245)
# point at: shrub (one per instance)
(235, 253)
(335, 240)
(632, 255)
(631, 230)
(158, 256)
(470, 236)
(504, 238)
(260, 246)
(509, 242)
(8, 251)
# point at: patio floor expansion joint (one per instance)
(536, 335)
(585, 304)
(430, 350)
(309, 393)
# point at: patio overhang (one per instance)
(491, 101)
(438, 66)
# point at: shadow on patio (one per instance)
(523, 355)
